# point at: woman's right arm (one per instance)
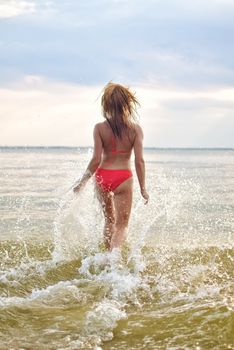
(94, 162)
(139, 162)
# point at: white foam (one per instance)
(103, 319)
(58, 291)
(26, 267)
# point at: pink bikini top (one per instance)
(113, 144)
(113, 147)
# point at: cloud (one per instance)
(111, 11)
(12, 8)
(56, 55)
(131, 41)
(38, 111)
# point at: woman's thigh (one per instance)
(123, 201)
(107, 202)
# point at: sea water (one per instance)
(171, 285)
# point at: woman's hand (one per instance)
(77, 188)
(82, 182)
(145, 195)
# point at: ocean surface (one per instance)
(171, 286)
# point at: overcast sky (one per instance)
(177, 55)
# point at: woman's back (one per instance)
(116, 151)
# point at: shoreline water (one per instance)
(170, 288)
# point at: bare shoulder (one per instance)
(100, 125)
(138, 130)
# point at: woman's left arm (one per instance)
(94, 162)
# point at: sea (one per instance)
(169, 287)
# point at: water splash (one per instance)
(171, 271)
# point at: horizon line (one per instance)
(146, 147)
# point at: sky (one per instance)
(175, 55)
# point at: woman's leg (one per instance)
(107, 203)
(122, 205)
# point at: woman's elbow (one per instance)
(139, 161)
(96, 160)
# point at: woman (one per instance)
(114, 140)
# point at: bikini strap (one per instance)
(113, 147)
(113, 143)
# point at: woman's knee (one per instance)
(123, 219)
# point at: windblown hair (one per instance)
(119, 107)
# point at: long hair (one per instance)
(119, 108)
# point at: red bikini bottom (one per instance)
(110, 179)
